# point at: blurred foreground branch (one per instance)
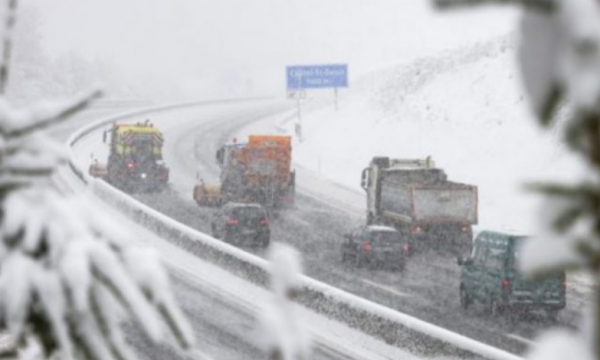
(559, 59)
(7, 43)
(545, 6)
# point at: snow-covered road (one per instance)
(426, 290)
(325, 210)
(222, 308)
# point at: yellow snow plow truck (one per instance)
(135, 161)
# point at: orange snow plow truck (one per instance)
(258, 171)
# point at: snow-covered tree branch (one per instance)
(559, 56)
(68, 278)
(538, 5)
(284, 333)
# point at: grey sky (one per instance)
(219, 44)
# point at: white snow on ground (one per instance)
(473, 121)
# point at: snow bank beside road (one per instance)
(471, 119)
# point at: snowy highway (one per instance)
(300, 180)
(222, 309)
(426, 290)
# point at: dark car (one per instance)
(375, 246)
(242, 224)
(491, 277)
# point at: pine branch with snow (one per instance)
(559, 56)
(537, 5)
(283, 333)
(68, 278)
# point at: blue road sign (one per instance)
(317, 76)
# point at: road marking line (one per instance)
(521, 339)
(385, 288)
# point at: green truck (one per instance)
(490, 276)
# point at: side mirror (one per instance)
(220, 156)
(464, 262)
(363, 180)
(104, 136)
(346, 236)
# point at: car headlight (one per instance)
(143, 175)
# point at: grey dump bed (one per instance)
(424, 195)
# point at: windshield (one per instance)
(386, 238)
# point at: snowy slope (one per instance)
(467, 110)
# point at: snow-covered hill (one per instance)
(464, 108)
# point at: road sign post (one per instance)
(335, 94)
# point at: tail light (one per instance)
(130, 165)
(367, 247)
(264, 222)
(464, 229)
(563, 284)
(505, 284)
(406, 248)
(232, 221)
(417, 230)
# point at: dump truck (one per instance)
(418, 199)
(135, 161)
(258, 171)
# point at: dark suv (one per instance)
(375, 246)
(242, 224)
(490, 276)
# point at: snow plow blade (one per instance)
(98, 171)
(208, 195)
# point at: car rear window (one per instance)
(385, 238)
(516, 253)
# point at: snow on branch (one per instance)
(545, 6)
(27, 155)
(9, 25)
(17, 123)
(284, 333)
(559, 58)
(60, 273)
(68, 279)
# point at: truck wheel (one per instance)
(401, 266)
(265, 243)
(495, 308)
(465, 299)
(552, 315)
(359, 261)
